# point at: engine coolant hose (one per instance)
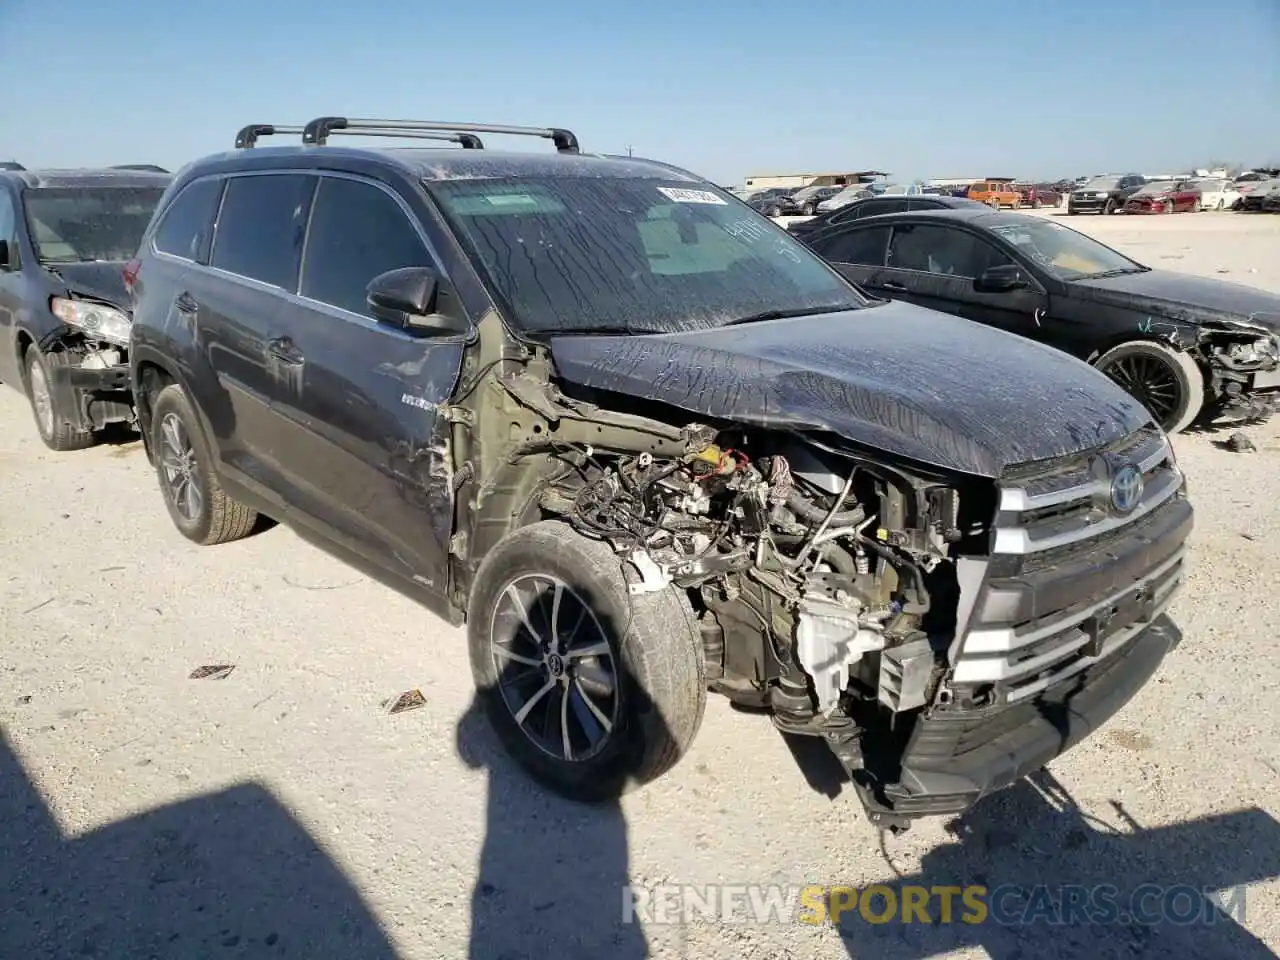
(808, 510)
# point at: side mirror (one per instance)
(4, 255)
(1001, 279)
(408, 300)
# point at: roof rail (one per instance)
(248, 136)
(318, 130)
(11, 165)
(146, 167)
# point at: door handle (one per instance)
(892, 285)
(186, 303)
(282, 349)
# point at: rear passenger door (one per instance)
(362, 444)
(858, 252)
(235, 314)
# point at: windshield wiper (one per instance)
(1117, 272)
(788, 314)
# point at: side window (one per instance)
(357, 232)
(9, 231)
(261, 226)
(942, 250)
(186, 229)
(864, 247)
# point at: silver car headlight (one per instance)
(97, 320)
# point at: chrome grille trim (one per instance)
(1082, 497)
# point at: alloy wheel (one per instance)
(41, 399)
(1150, 381)
(556, 669)
(178, 464)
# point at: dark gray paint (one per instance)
(910, 381)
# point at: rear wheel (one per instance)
(52, 422)
(1165, 381)
(197, 504)
(1035, 204)
(593, 690)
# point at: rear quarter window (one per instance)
(186, 226)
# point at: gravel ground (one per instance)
(284, 812)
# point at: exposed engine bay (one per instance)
(824, 585)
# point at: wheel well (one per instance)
(1126, 338)
(25, 343)
(152, 378)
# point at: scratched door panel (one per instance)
(366, 455)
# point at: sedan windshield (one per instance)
(76, 224)
(1159, 186)
(587, 254)
(1102, 183)
(1063, 252)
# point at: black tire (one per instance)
(52, 422)
(1166, 381)
(658, 669)
(213, 517)
(1072, 212)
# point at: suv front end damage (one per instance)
(943, 633)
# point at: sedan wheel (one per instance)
(1165, 381)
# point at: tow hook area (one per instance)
(848, 751)
(93, 390)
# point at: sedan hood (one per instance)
(1181, 296)
(101, 279)
(898, 378)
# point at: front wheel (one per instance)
(1109, 207)
(593, 690)
(52, 421)
(1035, 204)
(1165, 381)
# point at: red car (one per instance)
(1039, 195)
(1163, 196)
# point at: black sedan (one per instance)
(1187, 347)
(875, 206)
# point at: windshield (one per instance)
(1063, 252)
(1102, 183)
(1159, 186)
(580, 254)
(73, 224)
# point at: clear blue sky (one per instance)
(1018, 87)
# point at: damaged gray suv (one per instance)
(644, 444)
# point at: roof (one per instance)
(86, 177)
(458, 164)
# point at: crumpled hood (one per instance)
(102, 279)
(899, 378)
(1181, 296)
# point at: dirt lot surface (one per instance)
(284, 812)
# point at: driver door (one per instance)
(937, 266)
(362, 443)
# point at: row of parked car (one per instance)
(1127, 193)
(875, 477)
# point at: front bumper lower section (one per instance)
(1065, 621)
(93, 397)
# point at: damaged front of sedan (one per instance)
(65, 239)
(945, 551)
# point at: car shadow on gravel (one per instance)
(1036, 851)
(552, 872)
(230, 873)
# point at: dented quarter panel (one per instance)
(934, 388)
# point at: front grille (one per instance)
(1070, 579)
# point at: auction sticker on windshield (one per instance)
(680, 195)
